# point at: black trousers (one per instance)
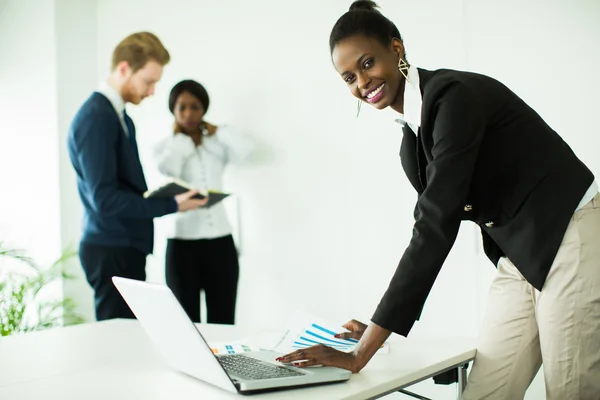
(100, 263)
(204, 264)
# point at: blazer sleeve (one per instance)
(172, 153)
(97, 140)
(458, 129)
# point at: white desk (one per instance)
(115, 360)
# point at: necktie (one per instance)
(130, 129)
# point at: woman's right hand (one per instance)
(356, 329)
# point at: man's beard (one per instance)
(130, 96)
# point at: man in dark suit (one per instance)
(118, 230)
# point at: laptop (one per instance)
(181, 343)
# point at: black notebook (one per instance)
(175, 187)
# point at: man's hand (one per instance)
(185, 202)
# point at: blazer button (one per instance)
(468, 207)
(489, 224)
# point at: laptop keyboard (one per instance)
(252, 369)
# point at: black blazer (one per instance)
(482, 155)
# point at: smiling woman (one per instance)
(363, 57)
(473, 150)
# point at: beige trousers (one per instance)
(558, 327)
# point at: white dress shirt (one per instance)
(202, 167)
(116, 100)
(413, 102)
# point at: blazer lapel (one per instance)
(421, 161)
(410, 159)
(412, 153)
(130, 168)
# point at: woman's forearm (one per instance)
(369, 343)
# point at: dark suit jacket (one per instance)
(482, 155)
(110, 179)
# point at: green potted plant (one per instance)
(24, 304)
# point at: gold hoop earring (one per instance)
(358, 107)
(403, 68)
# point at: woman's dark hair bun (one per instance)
(364, 5)
(364, 19)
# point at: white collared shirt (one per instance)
(413, 103)
(116, 100)
(202, 167)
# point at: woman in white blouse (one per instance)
(201, 254)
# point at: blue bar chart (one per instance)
(316, 334)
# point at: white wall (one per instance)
(47, 68)
(76, 78)
(29, 204)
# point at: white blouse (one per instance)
(202, 167)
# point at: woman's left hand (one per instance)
(322, 355)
